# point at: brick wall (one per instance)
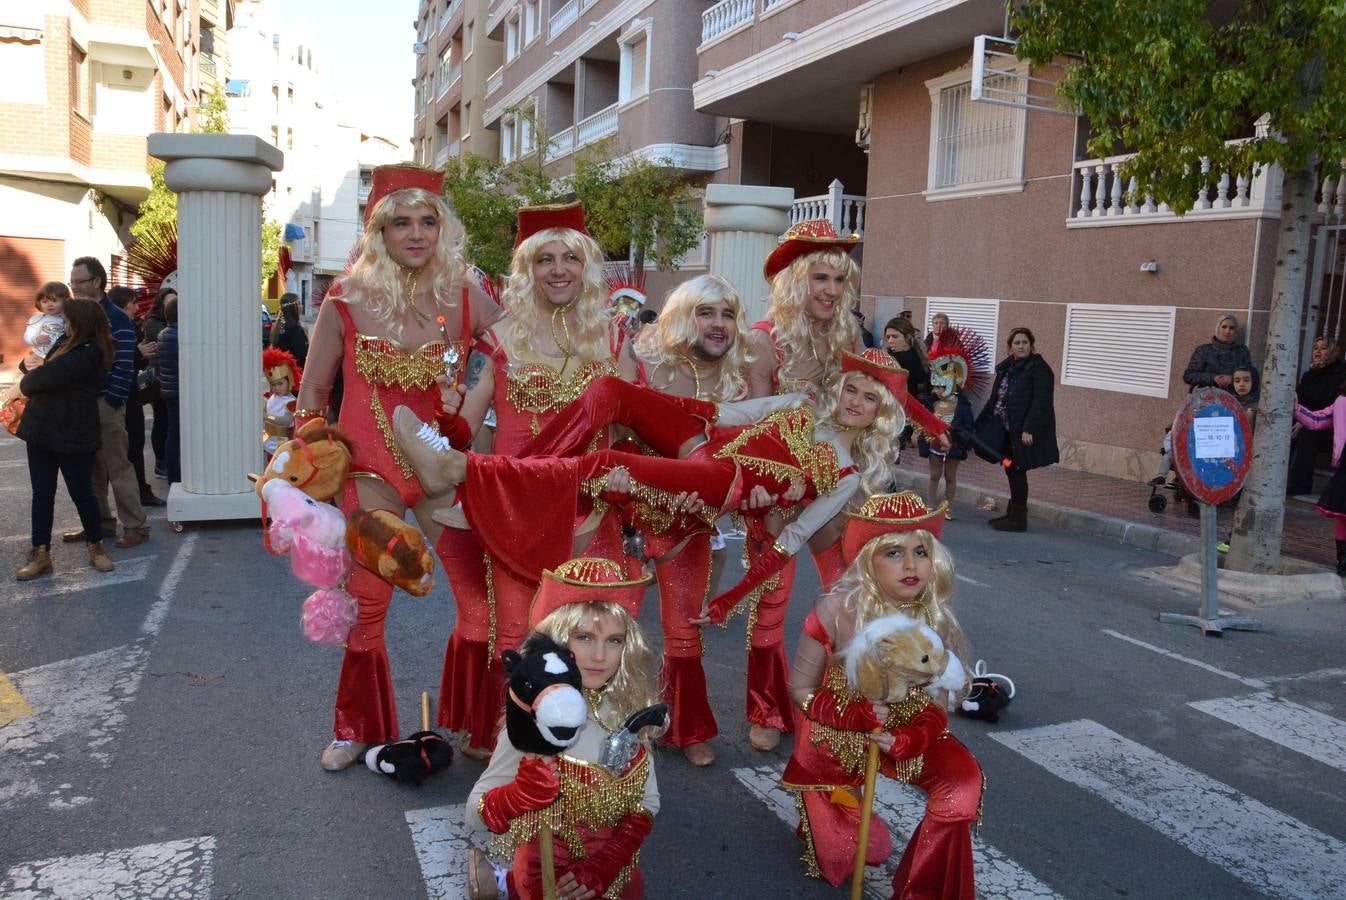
(33, 130)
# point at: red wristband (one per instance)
(455, 428)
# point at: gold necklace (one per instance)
(412, 282)
(696, 376)
(560, 312)
(595, 700)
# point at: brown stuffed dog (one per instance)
(392, 549)
(316, 460)
(891, 654)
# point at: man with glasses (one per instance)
(88, 280)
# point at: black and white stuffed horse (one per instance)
(990, 694)
(545, 710)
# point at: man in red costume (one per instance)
(536, 361)
(402, 316)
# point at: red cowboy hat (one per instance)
(398, 177)
(587, 580)
(877, 364)
(888, 514)
(533, 219)
(806, 237)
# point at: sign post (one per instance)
(1212, 449)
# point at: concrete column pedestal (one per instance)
(745, 223)
(220, 180)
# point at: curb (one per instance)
(1122, 531)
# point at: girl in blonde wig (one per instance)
(896, 566)
(589, 606)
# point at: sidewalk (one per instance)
(1113, 508)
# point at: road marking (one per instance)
(1274, 853)
(1316, 675)
(71, 579)
(12, 704)
(171, 869)
(1307, 731)
(1214, 670)
(901, 806)
(442, 841)
(969, 580)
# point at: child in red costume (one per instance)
(896, 565)
(603, 817)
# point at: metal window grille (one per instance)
(976, 142)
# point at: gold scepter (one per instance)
(866, 811)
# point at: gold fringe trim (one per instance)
(490, 607)
(816, 460)
(810, 856)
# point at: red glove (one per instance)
(455, 428)
(535, 786)
(766, 565)
(599, 871)
(910, 741)
(828, 709)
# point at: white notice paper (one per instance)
(1214, 437)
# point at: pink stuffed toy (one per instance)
(314, 535)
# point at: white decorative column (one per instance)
(745, 223)
(220, 180)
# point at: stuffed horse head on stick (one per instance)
(891, 654)
(544, 710)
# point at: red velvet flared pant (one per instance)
(684, 583)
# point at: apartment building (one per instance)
(84, 82)
(994, 214)
(454, 63)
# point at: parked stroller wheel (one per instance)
(1158, 503)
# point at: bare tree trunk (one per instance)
(1260, 521)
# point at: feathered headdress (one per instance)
(282, 364)
(963, 364)
(626, 298)
(153, 257)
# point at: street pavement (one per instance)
(160, 728)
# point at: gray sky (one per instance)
(367, 58)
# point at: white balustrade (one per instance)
(845, 211)
(1101, 195)
(496, 81)
(600, 124)
(768, 5)
(563, 18)
(724, 16)
(561, 143)
(1332, 196)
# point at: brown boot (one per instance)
(39, 563)
(98, 557)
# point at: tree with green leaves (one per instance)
(212, 116)
(1181, 84)
(271, 232)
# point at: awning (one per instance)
(25, 27)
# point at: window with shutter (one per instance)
(638, 51)
(982, 316)
(1119, 348)
(975, 148)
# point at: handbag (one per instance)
(11, 409)
(147, 385)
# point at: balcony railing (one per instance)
(845, 211)
(600, 124)
(563, 18)
(362, 193)
(207, 63)
(724, 16)
(1101, 196)
(561, 143)
(496, 81)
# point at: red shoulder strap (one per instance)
(813, 627)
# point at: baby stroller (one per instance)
(1160, 482)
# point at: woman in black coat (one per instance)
(288, 334)
(1019, 419)
(1318, 388)
(155, 322)
(61, 428)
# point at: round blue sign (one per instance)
(1212, 445)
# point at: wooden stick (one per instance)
(425, 710)
(866, 810)
(548, 859)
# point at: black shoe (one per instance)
(160, 470)
(1158, 480)
(147, 498)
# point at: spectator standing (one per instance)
(112, 466)
(288, 333)
(905, 346)
(1020, 420)
(154, 323)
(1213, 364)
(935, 341)
(46, 325)
(62, 429)
(1317, 389)
(166, 358)
(124, 298)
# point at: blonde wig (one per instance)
(378, 283)
(862, 600)
(669, 340)
(795, 329)
(524, 313)
(876, 444)
(632, 687)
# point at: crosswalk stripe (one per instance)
(171, 869)
(902, 807)
(70, 579)
(442, 840)
(1268, 850)
(1307, 731)
(12, 704)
